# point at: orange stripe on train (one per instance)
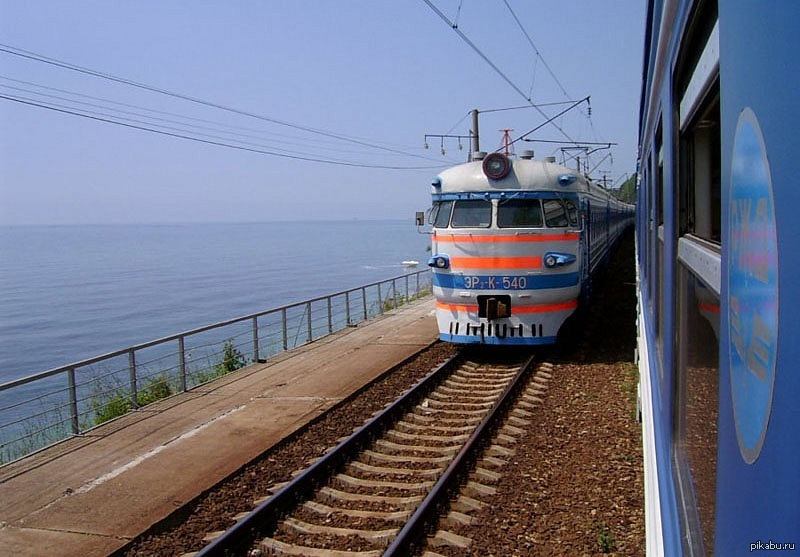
(507, 238)
(572, 304)
(496, 262)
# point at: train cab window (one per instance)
(440, 216)
(472, 213)
(555, 215)
(519, 213)
(572, 212)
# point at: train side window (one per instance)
(572, 212)
(554, 213)
(472, 213)
(519, 213)
(696, 416)
(441, 214)
(700, 201)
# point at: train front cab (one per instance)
(716, 235)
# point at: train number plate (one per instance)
(496, 282)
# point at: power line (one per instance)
(499, 72)
(546, 65)
(8, 49)
(139, 126)
(159, 121)
(472, 45)
(536, 50)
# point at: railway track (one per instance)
(396, 483)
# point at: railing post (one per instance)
(255, 339)
(132, 374)
(347, 306)
(408, 299)
(394, 292)
(283, 326)
(364, 299)
(182, 364)
(418, 284)
(330, 317)
(73, 402)
(380, 299)
(308, 308)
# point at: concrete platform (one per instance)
(91, 494)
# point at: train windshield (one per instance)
(519, 213)
(440, 216)
(472, 213)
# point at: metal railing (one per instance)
(48, 407)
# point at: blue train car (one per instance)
(717, 251)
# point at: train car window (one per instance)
(697, 404)
(441, 214)
(554, 213)
(472, 213)
(572, 212)
(519, 213)
(700, 197)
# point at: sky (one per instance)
(295, 109)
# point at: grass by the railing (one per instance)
(107, 406)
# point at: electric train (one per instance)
(515, 242)
(718, 254)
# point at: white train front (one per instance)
(514, 244)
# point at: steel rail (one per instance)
(264, 518)
(430, 507)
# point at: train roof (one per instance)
(521, 175)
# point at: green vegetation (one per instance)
(232, 360)
(605, 538)
(105, 409)
(109, 403)
(630, 387)
(627, 192)
(389, 302)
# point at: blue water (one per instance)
(72, 292)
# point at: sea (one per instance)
(68, 293)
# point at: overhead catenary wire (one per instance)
(15, 51)
(212, 142)
(544, 62)
(497, 70)
(283, 136)
(158, 121)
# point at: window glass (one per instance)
(572, 212)
(472, 213)
(441, 213)
(519, 213)
(554, 213)
(696, 410)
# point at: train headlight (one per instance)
(553, 259)
(439, 261)
(496, 166)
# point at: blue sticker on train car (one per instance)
(752, 287)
